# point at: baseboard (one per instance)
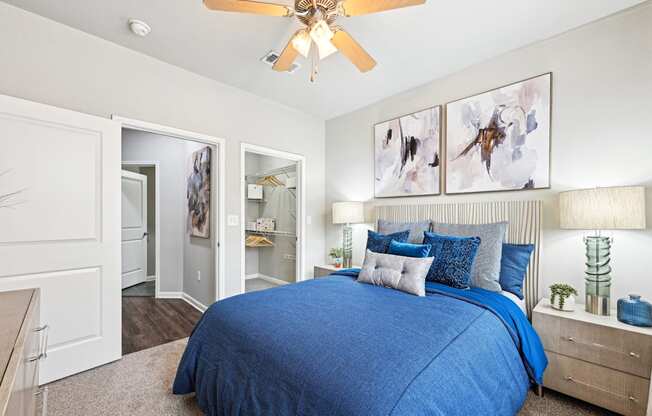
(150, 278)
(184, 296)
(273, 280)
(251, 276)
(194, 302)
(169, 295)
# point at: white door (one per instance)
(62, 232)
(134, 228)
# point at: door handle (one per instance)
(145, 235)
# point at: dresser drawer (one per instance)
(609, 347)
(614, 390)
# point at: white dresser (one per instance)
(596, 358)
(23, 345)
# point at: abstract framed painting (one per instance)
(198, 193)
(500, 140)
(407, 155)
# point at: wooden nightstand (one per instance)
(326, 269)
(596, 358)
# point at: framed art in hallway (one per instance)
(407, 155)
(500, 140)
(199, 193)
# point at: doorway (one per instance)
(172, 225)
(273, 218)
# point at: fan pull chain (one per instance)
(315, 67)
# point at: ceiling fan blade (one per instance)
(289, 54)
(360, 7)
(246, 6)
(352, 50)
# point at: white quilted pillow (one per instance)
(407, 274)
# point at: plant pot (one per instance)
(569, 304)
(337, 262)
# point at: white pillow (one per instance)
(407, 274)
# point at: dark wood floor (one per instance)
(148, 322)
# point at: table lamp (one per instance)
(348, 213)
(617, 208)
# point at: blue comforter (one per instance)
(337, 347)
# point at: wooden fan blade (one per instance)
(352, 50)
(246, 6)
(289, 54)
(360, 7)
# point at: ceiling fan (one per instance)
(319, 17)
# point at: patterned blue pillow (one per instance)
(454, 257)
(379, 243)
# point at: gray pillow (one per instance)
(407, 274)
(416, 229)
(486, 270)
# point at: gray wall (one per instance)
(48, 62)
(602, 102)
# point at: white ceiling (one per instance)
(412, 45)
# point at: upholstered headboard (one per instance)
(524, 218)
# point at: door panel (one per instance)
(62, 235)
(134, 228)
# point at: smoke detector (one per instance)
(139, 28)
(271, 58)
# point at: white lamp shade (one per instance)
(618, 208)
(348, 212)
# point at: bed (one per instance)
(334, 346)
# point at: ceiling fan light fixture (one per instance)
(302, 42)
(322, 34)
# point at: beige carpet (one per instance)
(139, 384)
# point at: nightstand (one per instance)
(596, 358)
(326, 269)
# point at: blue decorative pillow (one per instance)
(454, 257)
(409, 250)
(513, 266)
(379, 243)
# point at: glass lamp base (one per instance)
(598, 275)
(598, 305)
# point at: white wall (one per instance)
(48, 62)
(601, 136)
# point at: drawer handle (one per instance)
(37, 357)
(631, 354)
(41, 328)
(570, 379)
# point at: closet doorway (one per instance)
(273, 218)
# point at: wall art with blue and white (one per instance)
(500, 140)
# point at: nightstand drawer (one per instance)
(611, 389)
(609, 347)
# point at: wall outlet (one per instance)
(198, 275)
(233, 220)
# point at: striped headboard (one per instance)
(524, 218)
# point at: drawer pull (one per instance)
(41, 328)
(37, 357)
(570, 379)
(595, 345)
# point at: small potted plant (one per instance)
(336, 254)
(562, 297)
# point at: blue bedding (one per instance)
(337, 347)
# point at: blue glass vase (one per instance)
(634, 311)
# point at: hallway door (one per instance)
(134, 229)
